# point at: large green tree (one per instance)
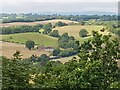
(30, 44)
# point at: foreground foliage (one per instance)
(95, 68)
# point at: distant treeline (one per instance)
(7, 18)
(21, 29)
(33, 28)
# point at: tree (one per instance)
(64, 53)
(17, 55)
(43, 57)
(56, 52)
(82, 22)
(30, 44)
(83, 33)
(55, 33)
(47, 28)
(59, 24)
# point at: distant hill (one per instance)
(37, 22)
(79, 13)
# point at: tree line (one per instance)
(38, 17)
(33, 28)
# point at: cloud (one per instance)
(34, 6)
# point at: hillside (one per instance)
(73, 30)
(39, 39)
(34, 23)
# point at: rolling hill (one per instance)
(39, 39)
(34, 23)
(73, 30)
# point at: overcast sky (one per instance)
(28, 6)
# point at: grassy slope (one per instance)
(74, 30)
(36, 37)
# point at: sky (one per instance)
(28, 6)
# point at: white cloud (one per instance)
(54, 5)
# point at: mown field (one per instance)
(39, 39)
(8, 49)
(34, 23)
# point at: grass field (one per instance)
(74, 29)
(34, 23)
(39, 39)
(8, 49)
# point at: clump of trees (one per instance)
(47, 28)
(68, 43)
(21, 29)
(83, 33)
(41, 58)
(56, 52)
(59, 24)
(54, 33)
(29, 44)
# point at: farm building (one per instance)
(48, 49)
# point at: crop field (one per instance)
(34, 23)
(39, 39)
(8, 49)
(73, 30)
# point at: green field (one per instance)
(39, 39)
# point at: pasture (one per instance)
(39, 39)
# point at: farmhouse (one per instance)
(48, 49)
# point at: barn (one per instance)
(48, 49)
